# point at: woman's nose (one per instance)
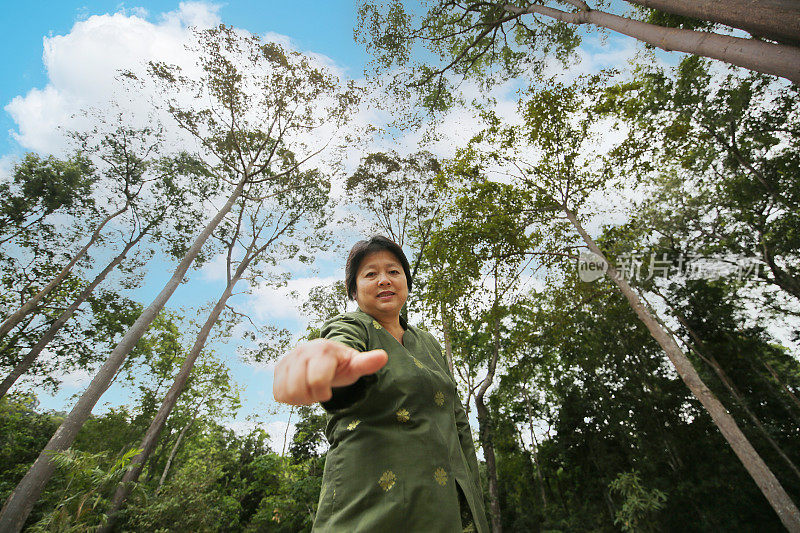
(383, 280)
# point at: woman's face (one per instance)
(381, 286)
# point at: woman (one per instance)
(401, 455)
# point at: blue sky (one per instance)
(39, 91)
(323, 26)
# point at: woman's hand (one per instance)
(306, 374)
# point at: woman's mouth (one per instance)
(385, 295)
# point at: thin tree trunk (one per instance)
(759, 471)
(782, 384)
(19, 504)
(174, 450)
(536, 448)
(778, 20)
(157, 425)
(172, 455)
(286, 431)
(776, 59)
(448, 343)
(711, 361)
(31, 304)
(740, 400)
(485, 431)
(484, 423)
(56, 326)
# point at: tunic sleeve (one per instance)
(349, 331)
(463, 427)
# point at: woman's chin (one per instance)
(387, 307)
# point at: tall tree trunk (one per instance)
(759, 471)
(776, 59)
(486, 433)
(34, 301)
(723, 376)
(27, 492)
(150, 439)
(711, 361)
(778, 20)
(56, 326)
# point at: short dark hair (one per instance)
(362, 249)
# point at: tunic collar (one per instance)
(403, 321)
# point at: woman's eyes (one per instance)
(373, 274)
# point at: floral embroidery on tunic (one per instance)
(439, 398)
(402, 415)
(387, 480)
(375, 323)
(352, 425)
(440, 476)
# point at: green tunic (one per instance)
(399, 439)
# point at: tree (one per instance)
(322, 303)
(639, 501)
(295, 207)
(601, 401)
(480, 246)
(309, 434)
(101, 217)
(727, 151)
(249, 86)
(156, 197)
(497, 40)
(40, 187)
(562, 179)
(401, 194)
(733, 352)
(81, 501)
(79, 344)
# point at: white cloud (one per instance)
(83, 65)
(277, 431)
(217, 268)
(76, 379)
(7, 163)
(276, 303)
(197, 14)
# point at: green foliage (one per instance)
(588, 378)
(197, 485)
(23, 433)
(89, 479)
(41, 186)
(79, 344)
(309, 434)
(639, 502)
(323, 302)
